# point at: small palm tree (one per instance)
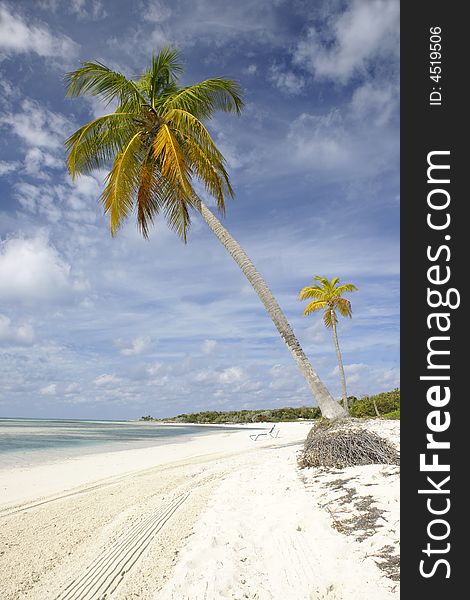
(156, 144)
(328, 297)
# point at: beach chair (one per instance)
(270, 433)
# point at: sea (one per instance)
(25, 442)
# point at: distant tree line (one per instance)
(385, 404)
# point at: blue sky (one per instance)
(95, 327)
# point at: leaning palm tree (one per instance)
(328, 297)
(156, 145)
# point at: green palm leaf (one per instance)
(94, 145)
(96, 79)
(122, 183)
(204, 98)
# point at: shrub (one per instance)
(386, 402)
(395, 414)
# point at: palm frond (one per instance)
(330, 318)
(147, 208)
(204, 98)
(344, 307)
(346, 287)
(96, 79)
(155, 196)
(314, 291)
(323, 280)
(166, 67)
(210, 170)
(191, 127)
(175, 208)
(314, 306)
(172, 161)
(122, 183)
(94, 145)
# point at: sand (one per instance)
(220, 516)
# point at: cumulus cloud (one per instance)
(231, 375)
(353, 372)
(225, 376)
(7, 167)
(349, 42)
(322, 141)
(18, 36)
(251, 69)
(137, 346)
(106, 380)
(287, 81)
(49, 390)
(208, 346)
(72, 388)
(33, 270)
(16, 333)
(154, 369)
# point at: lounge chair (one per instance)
(270, 433)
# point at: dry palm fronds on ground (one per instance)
(345, 443)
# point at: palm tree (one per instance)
(328, 297)
(155, 144)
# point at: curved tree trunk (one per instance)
(341, 369)
(328, 405)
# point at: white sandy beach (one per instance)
(220, 516)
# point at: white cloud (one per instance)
(375, 102)
(18, 36)
(49, 390)
(32, 270)
(137, 346)
(72, 388)
(350, 41)
(251, 69)
(87, 9)
(37, 126)
(154, 369)
(20, 333)
(8, 166)
(231, 375)
(322, 141)
(106, 380)
(226, 376)
(157, 12)
(36, 160)
(353, 372)
(208, 346)
(287, 81)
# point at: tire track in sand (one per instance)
(106, 572)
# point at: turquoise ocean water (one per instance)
(31, 441)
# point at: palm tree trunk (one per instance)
(341, 369)
(328, 405)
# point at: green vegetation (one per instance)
(387, 404)
(327, 296)
(395, 414)
(246, 416)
